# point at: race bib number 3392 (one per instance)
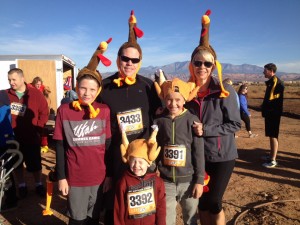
(141, 202)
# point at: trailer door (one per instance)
(46, 69)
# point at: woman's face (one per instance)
(87, 90)
(202, 68)
(38, 84)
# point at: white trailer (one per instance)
(53, 69)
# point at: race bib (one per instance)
(18, 109)
(132, 120)
(141, 202)
(174, 155)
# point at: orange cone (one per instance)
(47, 211)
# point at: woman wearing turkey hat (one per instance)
(217, 109)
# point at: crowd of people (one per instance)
(134, 148)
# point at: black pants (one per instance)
(246, 120)
(220, 173)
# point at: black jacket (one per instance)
(221, 119)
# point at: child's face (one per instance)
(138, 166)
(38, 84)
(88, 89)
(174, 103)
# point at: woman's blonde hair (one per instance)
(207, 55)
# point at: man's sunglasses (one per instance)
(127, 59)
(200, 63)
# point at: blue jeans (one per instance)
(181, 193)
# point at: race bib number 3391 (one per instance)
(175, 155)
(132, 120)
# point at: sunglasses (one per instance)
(127, 59)
(200, 63)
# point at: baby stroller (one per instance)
(11, 153)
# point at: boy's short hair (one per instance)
(90, 77)
(271, 66)
(228, 81)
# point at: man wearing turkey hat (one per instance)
(82, 134)
(132, 100)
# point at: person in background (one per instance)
(272, 108)
(229, 81)
(217, 109)
(140, 195)
(181, 162)
(132, 100)
(37, 82)
(29, 110)
(70, 96)
(44, 137)
(245, 114)
(6, 133)
(82, 134)
(46, 93)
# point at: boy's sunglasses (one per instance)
(127, 59)
(200, 63)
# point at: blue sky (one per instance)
(253, 32)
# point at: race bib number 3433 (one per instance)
(132, 120)
(141, 202)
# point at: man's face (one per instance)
(16, 81)
(132, 56)
(268, 73)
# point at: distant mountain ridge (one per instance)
(244, 72)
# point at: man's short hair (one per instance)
(271, 66)
(16, 70)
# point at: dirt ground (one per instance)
(255, 195)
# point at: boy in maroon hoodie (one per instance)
(140, 196)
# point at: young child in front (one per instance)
(181, 161)
(140, 195)
(82, 134)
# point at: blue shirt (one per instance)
(243, 104)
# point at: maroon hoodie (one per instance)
(144, 196)
(29, 115)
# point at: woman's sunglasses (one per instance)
(200, 63)
(127, 59)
